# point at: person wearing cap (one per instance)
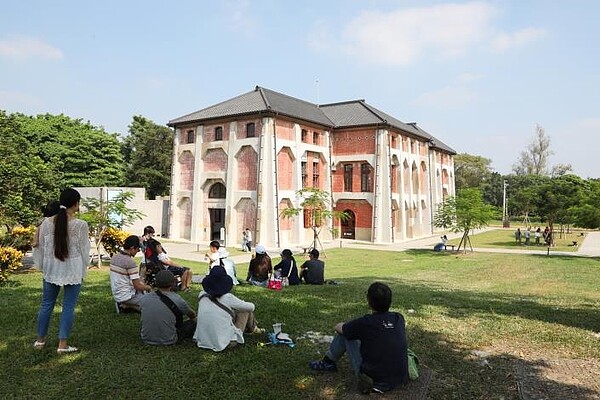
(287, 267)
(222, 317)
(313, 270)
(163, 312)
(125, 282)
(260, 267)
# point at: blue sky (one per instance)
(479, 75)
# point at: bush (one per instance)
(113, 239)
(10, 260)
(20, 238)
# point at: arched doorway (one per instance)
(348, 225)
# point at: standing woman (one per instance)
(62, 256)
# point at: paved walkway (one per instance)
(590, 247)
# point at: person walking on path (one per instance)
(62, 255)
(248, 239)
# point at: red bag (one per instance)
(274, 284)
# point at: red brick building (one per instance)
(238, 163)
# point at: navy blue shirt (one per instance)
(383, 346)
(284, 267)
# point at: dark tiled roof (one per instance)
(259, 100)
(338, 115)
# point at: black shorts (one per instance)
(177, 270)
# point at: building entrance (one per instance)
(217, 221)
(348, 225)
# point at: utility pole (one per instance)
(505, 220)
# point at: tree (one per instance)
(315, 205)
(86, 155)
(555, 197)
(26, 182)
(102, 216)
(463, 213)
(471, 171)
(561, 169)
(148, 154)
(587, 213)
(534, 160)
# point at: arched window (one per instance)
(217, 191)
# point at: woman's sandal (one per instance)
(68, 349)
(38, 345)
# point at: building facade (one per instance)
(239, 163)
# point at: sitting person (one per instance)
(125, 282)
(222, 317)
(260, 267)
(228, 264)
(376, 345)
(155, 254)
(441, 245)
(313, 270)
(163, 312)
(287, 268)
(213, 256)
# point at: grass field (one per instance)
(505, 238)
(510, 306)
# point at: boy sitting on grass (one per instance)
(376, 345)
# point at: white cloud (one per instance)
(448, 97)
(589, 124)
(239, 17)
(506, 41)
(22, 48)
(321, 38)
(402, 36)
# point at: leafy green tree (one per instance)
(102, 216)
(587, 213)
(493, 190)
(522, 192)
(85, 154)
(148, 154)
(317, 203)
(26, 182)
(471, 171)
(463, 213)
(555, 197)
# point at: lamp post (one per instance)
(505, 220)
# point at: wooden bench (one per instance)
(306, 250)
(574, 243)
(449, 245)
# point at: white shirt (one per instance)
(215, 328)
(73, 269)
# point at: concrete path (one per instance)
(590, 247)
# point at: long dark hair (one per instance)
(68, 198)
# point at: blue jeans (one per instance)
(49, 296)
(341, 345)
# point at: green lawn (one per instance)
(505, 238)
(508, 305)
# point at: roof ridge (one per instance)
(212, 106)
(263, 96)
(342, 102)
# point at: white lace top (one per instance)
(73, 269)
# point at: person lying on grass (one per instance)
(376, 345)
(163, 312)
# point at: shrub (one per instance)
(113, 239)
(20, 238)
(10, 260)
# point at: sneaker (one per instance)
(365, 383)
(322, 365)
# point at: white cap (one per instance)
(260, 249)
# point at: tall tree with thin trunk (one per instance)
(534, 160)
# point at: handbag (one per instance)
(413, 362)
(274, 284)
(285, 281)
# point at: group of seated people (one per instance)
(376, 343)
(261, 269)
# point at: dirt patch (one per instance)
(544, 379)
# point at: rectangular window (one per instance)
(347, 177)
(190, 137)
(307, 218)
(250, 129)
(304, 133)
(315, 174)
(304, 174)
(365, 178)
(316, 137)
(219, 133)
